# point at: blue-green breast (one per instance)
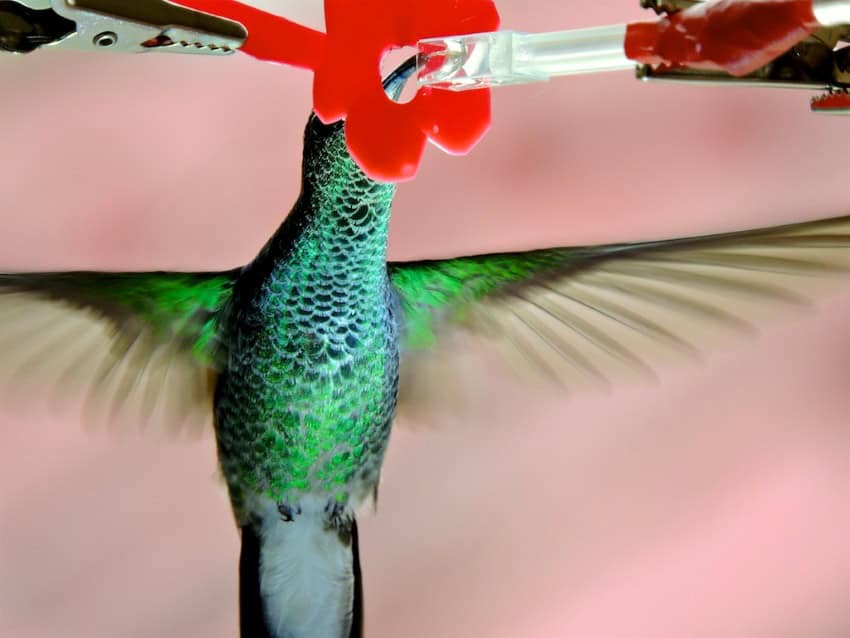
(306, 400)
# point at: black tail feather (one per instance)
(357, 603)
(252, 616)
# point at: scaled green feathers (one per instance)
(306, 398)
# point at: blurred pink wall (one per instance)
(712, 504)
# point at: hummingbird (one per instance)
(303, 356)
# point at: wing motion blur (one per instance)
(589, 314)
(127, 347)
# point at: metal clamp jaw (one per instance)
(132, 26)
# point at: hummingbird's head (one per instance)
(325, 153)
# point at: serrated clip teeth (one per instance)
(185, 41)
(137, 26)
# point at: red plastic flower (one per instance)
(387, 138)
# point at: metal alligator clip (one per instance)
(821, 62)
(130, 26)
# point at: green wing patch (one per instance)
(588, 313)
(133, 346)
(435, 291)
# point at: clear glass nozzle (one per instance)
(508, 57)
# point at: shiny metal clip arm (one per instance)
(133, 26)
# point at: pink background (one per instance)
(712, 504)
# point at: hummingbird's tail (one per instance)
(300, 578)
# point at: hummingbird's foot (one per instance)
(336, 512)
(288, 512)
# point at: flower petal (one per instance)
(383, 139)
(455, 122)
(330, 100)
(357, 30)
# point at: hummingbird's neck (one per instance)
(342, 216)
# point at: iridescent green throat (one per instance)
(307, 397)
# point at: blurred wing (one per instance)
(582, 314)
(131, 346)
